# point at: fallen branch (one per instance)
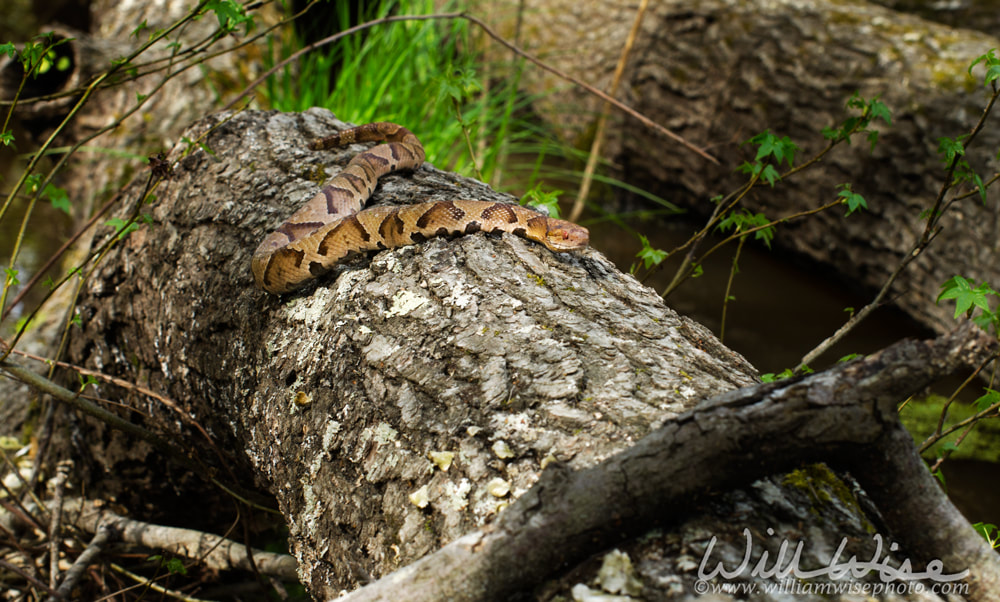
(213, 551)
(845, 416)
(101, 538)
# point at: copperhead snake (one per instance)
(332, 226)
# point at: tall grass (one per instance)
(422, 74)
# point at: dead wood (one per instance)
(844, 416)
(408, 398)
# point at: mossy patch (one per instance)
(921, 417)
(821, 485)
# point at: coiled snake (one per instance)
(331, 226)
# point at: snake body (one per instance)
(332, 226)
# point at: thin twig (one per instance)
(40, 272)
(55, 521)
(602, 121)
(147, 583)
(84, 97)
(931, 230)
(942, 433)
(95, 547)
(729, 287)
(743, 233)
(13, 568)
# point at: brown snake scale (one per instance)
(331, 226)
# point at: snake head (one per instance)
(562, 236)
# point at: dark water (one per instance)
(781, 310)
(972, 487)
(46, 230)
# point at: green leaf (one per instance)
(548, 201)
(11, 277)
(230, 14)
(830, 133)
(7, 137)
(747, 168)
(849, 357)
(966, 297)
(853, 200)
(878, 110)
(769, 145)
(848, 127)
(979, 186)
(176, 566)
(9, 49)
(992, 63)
(173, 565)
(57, 196)
(771, 377)
(965, 173)
(989, 533)
(949, 148)
(873, 139)
(770, 175)
(870, 110)
(856, 101)
(122, 228)
(86, 381)
(940, 477)
(458, 84)
(138, 30)
(743, 220)
(199, 144)
(31, 182)
(650, 257)
(988, 399)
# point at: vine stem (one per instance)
(931, 230)
(940, 432)
(729, 287)
(729, 202)
(33, 162)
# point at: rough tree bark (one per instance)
(719, 72)
(408, 398)
(847, 415)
